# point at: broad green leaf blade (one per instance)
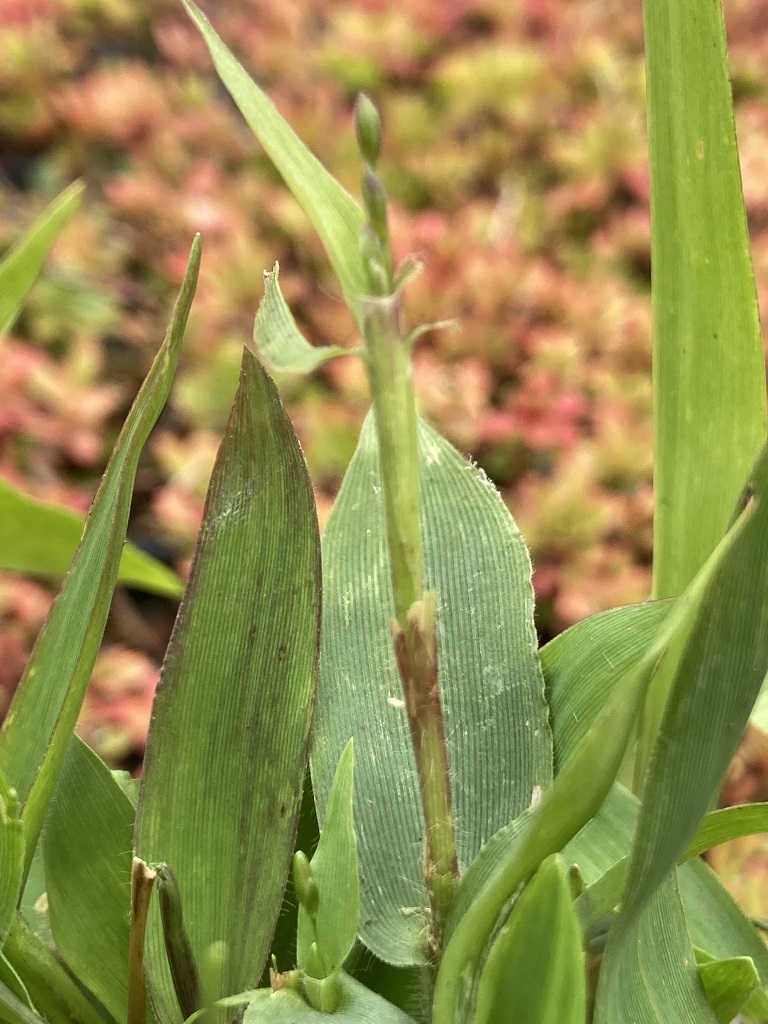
(716, 682)
(496, 723)
(358, 1006)
(565, 808)
(534, 970)
(235, 697)
(11, 856)
(728, 985)
(335, 871)
(334, 214)
(21, 267)
(278, 339)
(583, 664)
(87, 853)
(708, 364)
(40, 539)
(36, 732)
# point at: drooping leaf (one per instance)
(87, 852)
(36, 731)
(334, 214)
(728, 985)
(11, 855)
(40, 539)
(534, 969)
(573, 799)
(234, 700)
(358, 1006)
(279, 340)
(715, 685)
(335, 872)
(20, 268)
(497, 733)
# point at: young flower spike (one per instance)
(368, 129)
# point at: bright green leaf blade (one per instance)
(21, 267)
(11, 856)
(496, 723)
(358, 1006)
(583, 664)
(235, 697)
(566, 807)
(87, 852)
(728, 985)
(36, 732)
(14, 1011)
(708, 364)
(715, 685)
(335, 871)
(334, 214)
(40, 539)
(278, 339)
(534, 970)
(33, 907)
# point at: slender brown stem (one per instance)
(142, 880)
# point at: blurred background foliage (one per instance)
(515, 156)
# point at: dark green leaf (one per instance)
(235, 697)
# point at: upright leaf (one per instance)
(497, 732)
(20, 268)
(717, 680)
(335, 873)
(332, 211)
(36, 731)
(227, 746)
(87, 856)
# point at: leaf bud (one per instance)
(375, 199)
(305, 884)
(368, 128)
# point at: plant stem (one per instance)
(142, 880)
(414, 629)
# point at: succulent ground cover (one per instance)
(516, 162)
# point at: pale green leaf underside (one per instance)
(335, 871)
(40, 539)
(235, 696)
(499, 745)
(20, 268)
(334, 214)
(358, 1006)
(278, 339)
(36, 732)
(87, 855)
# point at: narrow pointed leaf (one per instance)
(40, 539)
(728, 985)
(87, 855)
(20, 268)
(335, 872)
(11, 856)
(278, 339)
(36, 731)
(334, 214)
(358, 1006)
(534, 970)
(715, 685)
(496, 723)
(234, 701)
(573, 799)
(14, 1010)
